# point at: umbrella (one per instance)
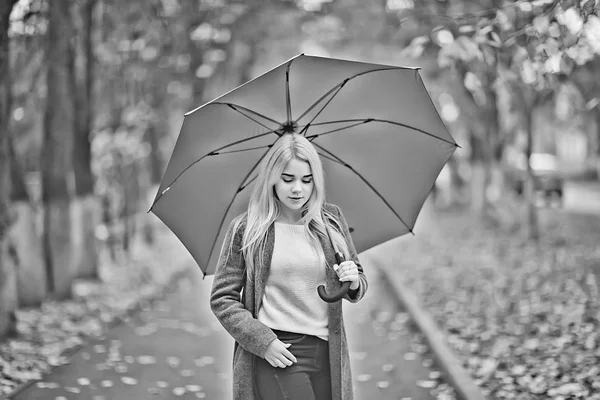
(375, 127)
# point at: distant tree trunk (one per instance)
(155, 172)
(86, 207)
(529, 190)
(57, 153)
(8, 277)
(31, 274)
(597, 149)
(479, 172)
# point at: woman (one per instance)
(289, 344)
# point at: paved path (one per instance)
(176, 349)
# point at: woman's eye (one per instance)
(287, 180)
(308, 181)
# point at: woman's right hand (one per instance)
(278, 355)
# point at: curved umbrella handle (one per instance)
(339, 257)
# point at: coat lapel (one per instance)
(262, 269)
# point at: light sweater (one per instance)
(290, 300)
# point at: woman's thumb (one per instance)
(287, 345)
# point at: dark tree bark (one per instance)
(56, 160)
(8, 281)
(83, 85)
(86, 208)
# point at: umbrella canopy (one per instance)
(379, 135)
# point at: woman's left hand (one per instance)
(347, 271)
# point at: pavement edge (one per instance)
(447, 360)
(159, 292)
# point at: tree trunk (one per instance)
(57, 153)
(31, 274)
(86, 207)
(529, 190)
(479, 172)
(8, 278)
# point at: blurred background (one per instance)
(93, 92)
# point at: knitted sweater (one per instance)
(290, 300)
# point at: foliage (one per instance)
(522, 318)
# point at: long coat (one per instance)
(238, 313)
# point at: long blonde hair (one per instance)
(264, 207)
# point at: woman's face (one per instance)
(295, 185)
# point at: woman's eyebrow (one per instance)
(292, 175)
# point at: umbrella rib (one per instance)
(242, 150)
(364, 121)
(337, 87)
(340, 85)
(237, 107)
(240, 188)
(342, 162)
(305, 129)
(288, 99)
(212, 153)
(312, 137)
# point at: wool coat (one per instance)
(237, 310)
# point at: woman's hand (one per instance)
(278, 355)
(348, 271)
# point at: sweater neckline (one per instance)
(294, 228)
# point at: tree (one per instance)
(519, 46)
(8, 281)
(57, 153)
(86, 206)
(27, 75)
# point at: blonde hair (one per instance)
(264, 207)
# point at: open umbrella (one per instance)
(379, 135)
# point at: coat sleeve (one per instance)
(225, 301)
(353, 296)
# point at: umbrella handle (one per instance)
(339, 257)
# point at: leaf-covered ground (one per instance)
(47, 334)
(524, 319)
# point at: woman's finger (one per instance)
(285, 361)
(288, 354)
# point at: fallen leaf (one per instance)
(383, 384)
(129, 380)
(426, 384)
(173, 361)
(146, 360)
(83, 381)
(193, 388)
(178, 391)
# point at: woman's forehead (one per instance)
(297, 167)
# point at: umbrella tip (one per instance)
(457, 145)
(412, 232)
